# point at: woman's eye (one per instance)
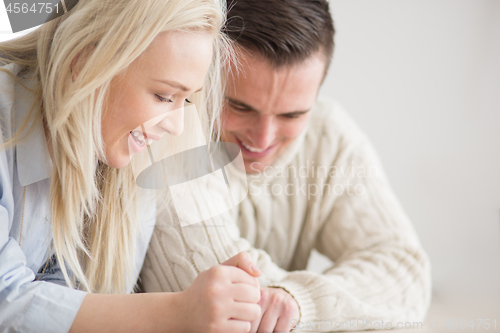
(169, 100)
(163, 99)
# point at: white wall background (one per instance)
(5, 30)
(422, 78)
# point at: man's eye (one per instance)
(163, 99)
(237, 108)
(188, 101)
(291, 116)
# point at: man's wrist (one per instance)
(289, 293)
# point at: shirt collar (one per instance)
(33, 159)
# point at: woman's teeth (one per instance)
(140, 139)
(253, 150)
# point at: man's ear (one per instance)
(80, 60)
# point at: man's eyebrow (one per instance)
(176, 85)
(295, 113)
(246, 106)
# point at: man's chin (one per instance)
(256, 166)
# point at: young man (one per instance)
(314, 182)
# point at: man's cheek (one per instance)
(292, 131)
(235, 124)
(228, 120)
(299, 126)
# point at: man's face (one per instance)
(266, 109)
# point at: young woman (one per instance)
(71, 95)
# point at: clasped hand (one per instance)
(228, 298)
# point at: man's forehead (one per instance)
(251, 61)
(258, 84)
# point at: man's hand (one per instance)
(278, 308)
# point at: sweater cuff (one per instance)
(302, 296)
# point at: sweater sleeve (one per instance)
(380, 271)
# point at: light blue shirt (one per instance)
(47, 305)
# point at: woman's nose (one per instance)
(173, 123)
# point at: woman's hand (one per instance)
(223, 298)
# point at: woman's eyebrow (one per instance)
(178, 85)
(174, 84)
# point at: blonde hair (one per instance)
(94, 213)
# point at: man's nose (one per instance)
(173, 122)
(264, 132)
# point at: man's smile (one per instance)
(253, 152)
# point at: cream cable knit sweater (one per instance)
(326, 191)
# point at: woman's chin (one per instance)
(121, 153)
(118, 161)
(119, 164)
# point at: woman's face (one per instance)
(147, 100)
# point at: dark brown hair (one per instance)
(285, 32)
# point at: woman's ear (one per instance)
(80, 60)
